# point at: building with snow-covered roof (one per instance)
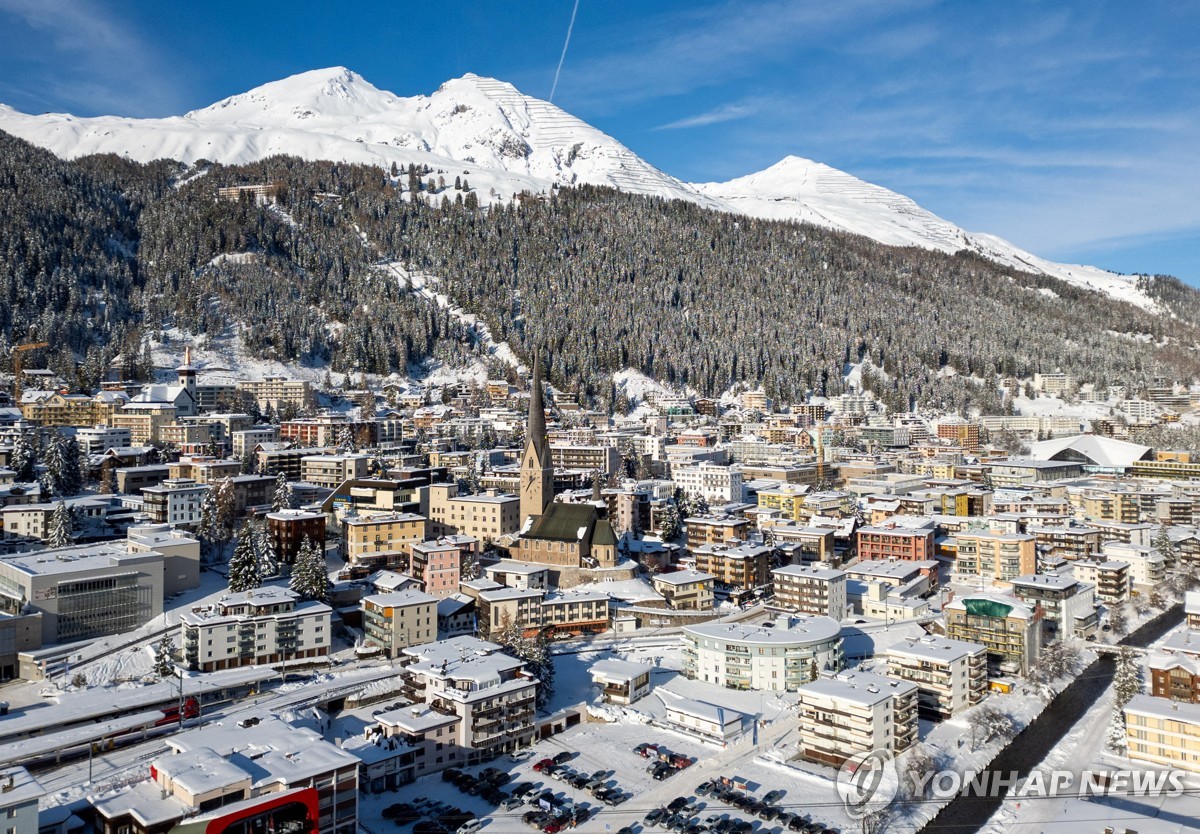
(1163, 732)
(19, 795)
(806, 589)
(260, 626)
(1095, 452)
(620, 681)
(950, 675)
(743, 565)
(855, 712)
(400, 619)
(703, 719)
(778, 656)
(685, 590)
(1068, 604)
(1010, 629)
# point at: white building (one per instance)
(1068, 605)
(780, 658)
(950, 675)
(96, 440)
(1147, 567)
(853, 713)
(715, 483)
(19, 795)
(400, 619)
(620, 681)
(806, 589)
(176, 501)
(331, 471)
(265, 625)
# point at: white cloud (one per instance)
(724, 113)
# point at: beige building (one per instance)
(686, 590)
(1011, 631)
(400, 619)
(486, 516)
(744, 566)
(804, 589)
(950, 675)
(381, 540)
(1163, 733)
(330, 471)
(276, 391)
(145, 421)
(855, 713)
(265, 625)
(995, 556)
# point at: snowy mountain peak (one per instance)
(334, 92)
(508, 142)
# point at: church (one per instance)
(555, 533)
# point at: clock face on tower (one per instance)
(530, 480)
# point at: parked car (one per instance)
(450, 774)
(580, 815)
(536, 819)
(563, 757)
(798, 822)
(661, 771)
(654, 816)
(773, 796)
(600, 774)
(768, 813)
(705, 788)
(543, 765)
(512, 803)
(468, 827)
(429, 827)
(625, 830)
(646, 750)
(676, 804)
(612, 798)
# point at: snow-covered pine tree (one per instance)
(108, 480)
(1127, 682)
(55, 462)
(244, 572)
(24, 457)
(207, 527)
(61, 526)
(346, 440)
(309, 576)
(268, 562)
(1163, 547)
(164, 657)
(670, 526)
(282, 497)
(225, 512)
(72, 472)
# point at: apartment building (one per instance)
(1068, 605)
(855, 713)
(744, 566)
(717, 484)
(534, 611)
(96, 440)
(144, 421)
(910, 544)
(275, 392)
(950, 675)
(491, 694)
(712, 530)
(605, 459)
(438, 566)
(781, 658)
(805, 589)
(620, 681)
(330, 471)
(273, 458)
(1147, 567)
(1067, 541)
(381, 541)
(328, 430)
(245, 440)
(805, 544)
(1011, 630)
(288, 529)
(1163, 733)
(260, 626)
(176, 501)
(487, 516)
(994, 556)
(1110, 578)
(400, 619)
(1175, 676)
(35, 522)
(685, 590)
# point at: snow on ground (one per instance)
(1056, 407)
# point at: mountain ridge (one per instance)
(507, 142)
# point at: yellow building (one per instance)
(997, 556)
(788, 499)
(1159, 731)
(382, 540)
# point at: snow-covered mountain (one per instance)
(506, 142)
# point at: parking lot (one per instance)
(594, 758)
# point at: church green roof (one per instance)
(563, 522)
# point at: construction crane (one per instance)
(19, 352)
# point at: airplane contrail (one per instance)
(563, 57)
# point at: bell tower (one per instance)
(537, 472)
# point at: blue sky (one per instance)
(1070, 128)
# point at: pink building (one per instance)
(438, 564)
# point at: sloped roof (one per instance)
(1101, 451)
(563, 522)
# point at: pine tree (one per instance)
(268, 561)
(207, 527)
(346, 440)
(164, 657)
(72, 470)
(309, 576)
(670, 526)
(108, 480)
(225, 512)
(282, 498)
(1163, 547)
(55, 462)
(24, 458)
(244, 572)
(1126, 683)
(61, 526)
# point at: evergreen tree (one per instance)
(206, 529)
(249, 462)
(62, 523)
(244, 572)
(55, 462)
(268, 561)
(1126, 683)
(164, 657)
(24, 457)
(282, 498)
(346, 440)
(226, 512)
(108, 480)
(1163, 547)
(72, 471)
(310, 579)
(670, 526)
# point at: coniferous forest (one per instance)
(100, 255)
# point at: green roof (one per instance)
(604, 535)
(562, 522)
(987, 608)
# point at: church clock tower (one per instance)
(537, 472)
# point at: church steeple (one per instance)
(537, 472)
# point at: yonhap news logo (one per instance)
(868, 782)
